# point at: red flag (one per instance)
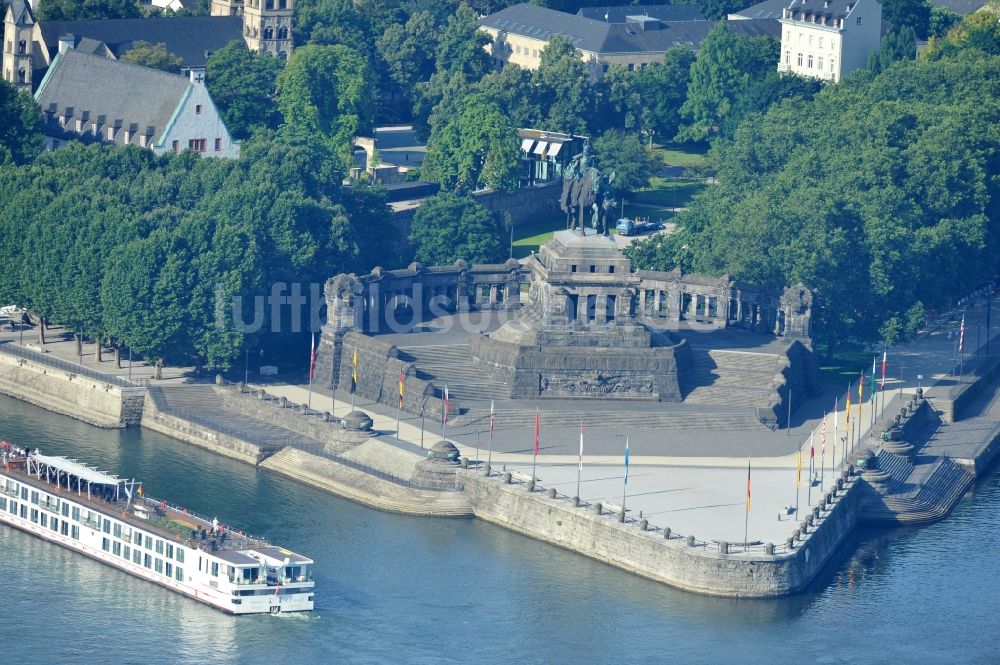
(961, 336)
(312, 357)
(748, 485)
(537, 430)
(884, 359)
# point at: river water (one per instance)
(394, 589)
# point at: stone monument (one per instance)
(579, 335)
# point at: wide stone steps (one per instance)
(609, 419)
(365, 488)
(897, 466)
(729, 378)
(453, 363)
(929, 498)
(383, 457)
(202, 406)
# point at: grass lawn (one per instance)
(668, 193)
(171, 526)
(529, 237)
(683, 154)
(848, 361)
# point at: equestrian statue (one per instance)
(586, 188)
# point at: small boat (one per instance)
(108, 518)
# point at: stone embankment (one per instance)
(69, 389)
(718, 569)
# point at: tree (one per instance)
(326, 91)
(154, 56)
(563, 87)
(478, 146)
(941, 21)
(726, 64)
(448, 227)
(719, 9)
(899, 44)
(460, 46)
(75, 10)
(243, 85)
(913, 14)
(662, 89)
(20, 126)
(626, 155)
(764, 92)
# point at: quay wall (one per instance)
(701, 568)
(960, 396)
(86, 396)
(199, 435)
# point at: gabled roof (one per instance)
(600, 37)
(191, 38)
(768, 9)
(112, 93)
(618, 13)
(20, 9)
(963, 7)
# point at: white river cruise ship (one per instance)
(109, 519)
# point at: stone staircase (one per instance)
(453, 363)
(730, 378)
(201, 405)
(927, 492)
(613, 419)
(365, 488)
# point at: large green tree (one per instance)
(20, 126)
(154, 56)
(726, 65)
(448, 227)
(628, 156)
(563, 88)
(476, 147)
(326, 91)
(243, 84)
(78, 10)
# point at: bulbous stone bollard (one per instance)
(531, 485)
(551, 493)
(769, 549)
(327, 416)
(796, 535)
(219, 380)
(465, 462)
(262, 394)
(666, 533)
(690, 541)
(576, 501)
(809, 521)
(487, 470)
(643, 524)
(598, 507)
(815, 513)
(840, 484)
(506, 478)
(621, 516)
(790, 543)
(303, 408)
(724, 547)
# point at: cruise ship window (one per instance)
(180, 574)
(149, 542)
(34, 498)
(215, 569)
(128, 553)
(180, 555)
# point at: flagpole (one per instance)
(489, 457)
(312, 363)
(798, 482)
(625, 484)
(812, 467)
(579, 464)
(477, 445)
(534, 457)
(399, 403)
(746, 519)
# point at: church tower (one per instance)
(267, 26)
(18, 44)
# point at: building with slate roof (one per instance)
(95, 99)
(828, 39)
(519, 34)
(30, 46)
(620, 13)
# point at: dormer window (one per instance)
(128, 136)
(143, 140)
(859, 20)
(111, 133)
(79, 125)
(197, 109)
(62, 121)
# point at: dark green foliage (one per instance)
(77, 10)
(628, 157)
(152, 250)
(880, 193)
(899, 44)
(154, 56)
(719, 9)
(243, 85)
(448, 227)
(913, 14)
(941, 21)
(20, 126)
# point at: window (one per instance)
(45, 519)
(215, 569)
(800, 59)
(76, 513)
(128, 136)
(269, 4)
(34, 498)
(821, 42)
(819, 63)
(116, 548)
(788, 57)
(282, 32)
(282, 4)
(611, 270)
(111, 133)
(54, 524)
(810, 61)
(859, 20)
(572, 268)
(180, 555)
(179, 574)
(198, 145)
(147, 560)
(170, 551)
(197, 109)
(269, 33)
(65, 509)
(158, 566)
(218, 145)
(631, 67)
(128, 553)
(75, 532)
(22, 47)
(79, 125)
(105, 544)
(106, 526)
(118, 530)
(143, 140)
(159, 546)
(136, 556)
(169, 572)
(3, 503)
(34, 515)
(149, 542)
(593, 268)
(175, 146)
(64, 528)
(604, 68)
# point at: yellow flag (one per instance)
(798, 470)
(354, 374)
(848, 409)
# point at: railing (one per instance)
(754, 548)
(12, 349)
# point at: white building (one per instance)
(99, 100)
(828, 39)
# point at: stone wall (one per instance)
(798, 379)
(83, 396)
(979, 377)
(200, 435)
(524, 205)
(650, 554)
